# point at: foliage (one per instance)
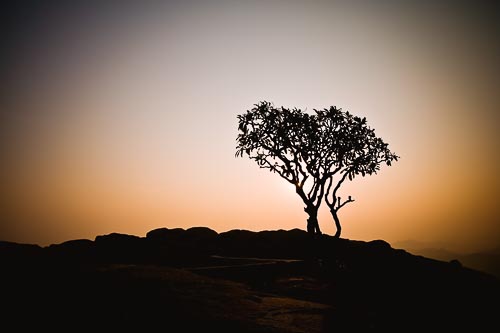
(312, 151)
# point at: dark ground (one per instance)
(200, 281)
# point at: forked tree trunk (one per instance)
(312, 221)
(311, 210)
(337, 223)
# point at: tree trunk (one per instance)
(337, 223)
(311, 210)
(312, 221)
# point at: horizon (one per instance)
(122, 117)
(406, 244)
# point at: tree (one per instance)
(312, 152)
(351, 149)
(283, 141)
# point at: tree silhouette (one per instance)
(350, 148)
(283, 141)
(311, 152)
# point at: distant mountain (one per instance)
(198, 280)
(486, 261)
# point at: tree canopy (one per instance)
(314, 152)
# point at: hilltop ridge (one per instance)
(267, 281)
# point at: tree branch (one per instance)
(273, 168)
(340, 182)
(344, 203)
(330, 204)
(321, 192)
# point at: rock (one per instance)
(17, 253)
(121, 248)
(163, 234)
(73, 250)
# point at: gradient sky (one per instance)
(121, 117)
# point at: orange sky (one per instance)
(123, 119)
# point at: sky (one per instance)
(120, 116)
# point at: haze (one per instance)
(122, 118)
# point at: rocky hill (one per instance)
(240, 281)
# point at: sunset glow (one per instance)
(125, 120)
